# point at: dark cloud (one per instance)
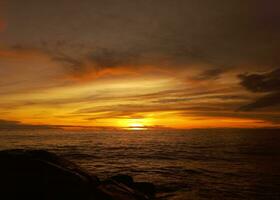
(15, 125)
(221, 112)
(97, 60)
(262, 82)
(168, 58)
(269, 100)
(162, 32)
(73, 65)
(210, 74)
(268, 83)
(109, 58)
(6, 125)
(209, 96)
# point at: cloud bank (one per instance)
(90, 60)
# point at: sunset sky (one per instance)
(149, 63)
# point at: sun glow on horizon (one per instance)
(136, 127)
(135, 124)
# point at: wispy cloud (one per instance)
(96, 61)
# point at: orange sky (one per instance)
(169, 68)
(39, 92)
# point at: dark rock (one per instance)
(125, 179)
(146, 188)
(113, 190)
(38, 174)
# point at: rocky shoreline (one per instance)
(39, 174)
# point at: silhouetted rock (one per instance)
(122, 178)
(38, 174)
(114, 190)
(146, 188)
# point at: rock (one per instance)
(146, 188)
(38, 174)
(122, 178)
(113, 190)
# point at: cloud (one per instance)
(268, 83)
(210, 74)
(110, 58)
(2, 25)
(198, 44)
(269, 100)
(262, 82)
(169, 35)
(26, 69)
(102, 63)
(6, 125)
(108, 62)
(15, 125)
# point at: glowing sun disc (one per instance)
(136, 126)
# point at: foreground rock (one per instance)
(38, 174)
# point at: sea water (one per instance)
(184, 165)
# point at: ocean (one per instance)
(218, 164)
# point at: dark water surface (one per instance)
(196, 164)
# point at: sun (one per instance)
(134, 124)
